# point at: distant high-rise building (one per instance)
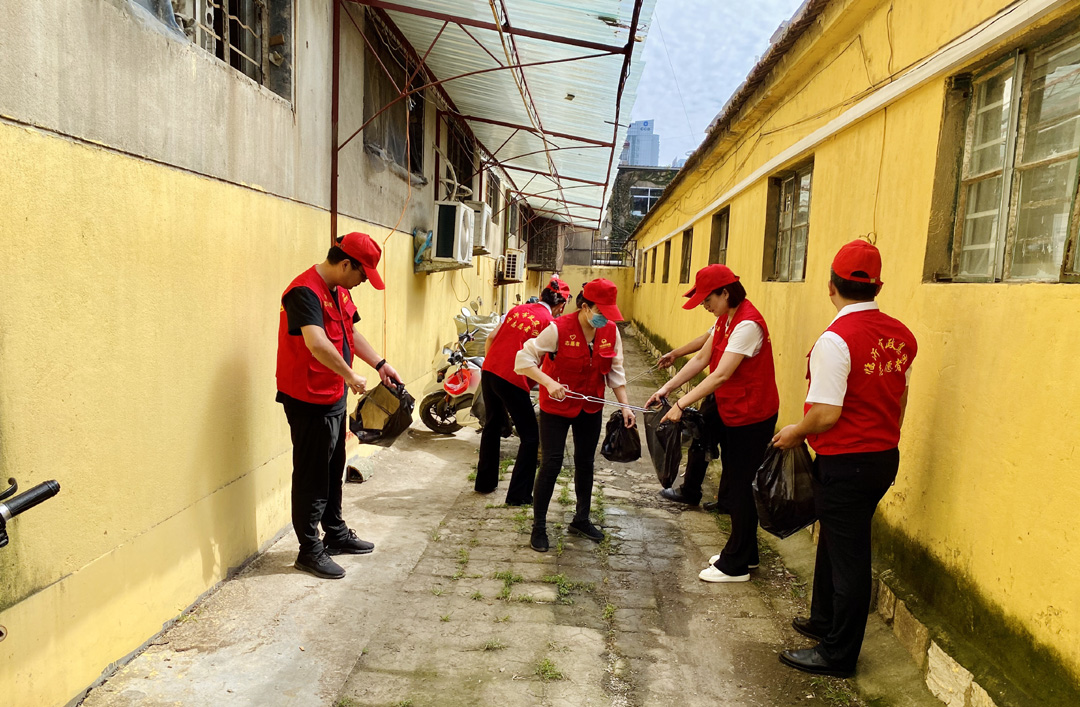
(642, 147)
(678, 162)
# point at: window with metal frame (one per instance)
(511, 225)
(1016, 211)
(718, 242)
(642, 199)
(397, 132)
(687, 248)
(667, 259)
(493, 193)
(237, 32)
(787, 233)
(461, 157)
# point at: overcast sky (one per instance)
(712, 45)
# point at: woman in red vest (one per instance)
(582, 354)
(507, 393)
(740, 360)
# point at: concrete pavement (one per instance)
(454, 608)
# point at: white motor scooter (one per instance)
(453, 400)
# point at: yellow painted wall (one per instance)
(577, 275)
(988, 481)
(138, 333)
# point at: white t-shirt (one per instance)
(534, 349)
(746, 338)
(830, 363)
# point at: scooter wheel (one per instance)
(437, 415)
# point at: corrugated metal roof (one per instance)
(592, 83)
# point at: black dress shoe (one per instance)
(673, 495)
(810, 661)
(714, 506)
(539, 540)
(806, 628)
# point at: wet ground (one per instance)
(454, 608)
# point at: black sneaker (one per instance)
(587, 530)
(539, 540)
(519, 501)
(319, 565)
(351, 545)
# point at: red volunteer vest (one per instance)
(882, 350)
(750, 394)
(578, 369)
(299, 375)
(522, 323)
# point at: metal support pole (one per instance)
(334, 107)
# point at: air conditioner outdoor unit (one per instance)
(482, 231)
(514, 268)
(453, 241)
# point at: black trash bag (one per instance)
(622, 443)
(783, 491)
(666, 439)
(382, 414)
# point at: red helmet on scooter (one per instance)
(457, 383)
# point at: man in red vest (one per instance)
(316, 345)
(858, 374)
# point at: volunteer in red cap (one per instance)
(858, 374)
(316, 345)
(582, 355)
(507, 393)
(743, 379)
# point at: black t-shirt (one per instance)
(303, 308)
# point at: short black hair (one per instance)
(581, 301)
(335, 255)
(854, 290)
(736, 293)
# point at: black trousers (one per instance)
(317, 478)
(501, 397)
(742, 449)
(697, 457)
(847, 489)
(553, 429)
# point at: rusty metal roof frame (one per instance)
(526, 137)
(803, 19)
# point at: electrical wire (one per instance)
(678, 89)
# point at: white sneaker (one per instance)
(714, 558)
(711, 574)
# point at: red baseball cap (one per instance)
(603, 293)
(709, 278)
(558, 286)
(363, 248)
(859, 261)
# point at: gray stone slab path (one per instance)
(454, 608)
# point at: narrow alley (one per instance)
(454, 608)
